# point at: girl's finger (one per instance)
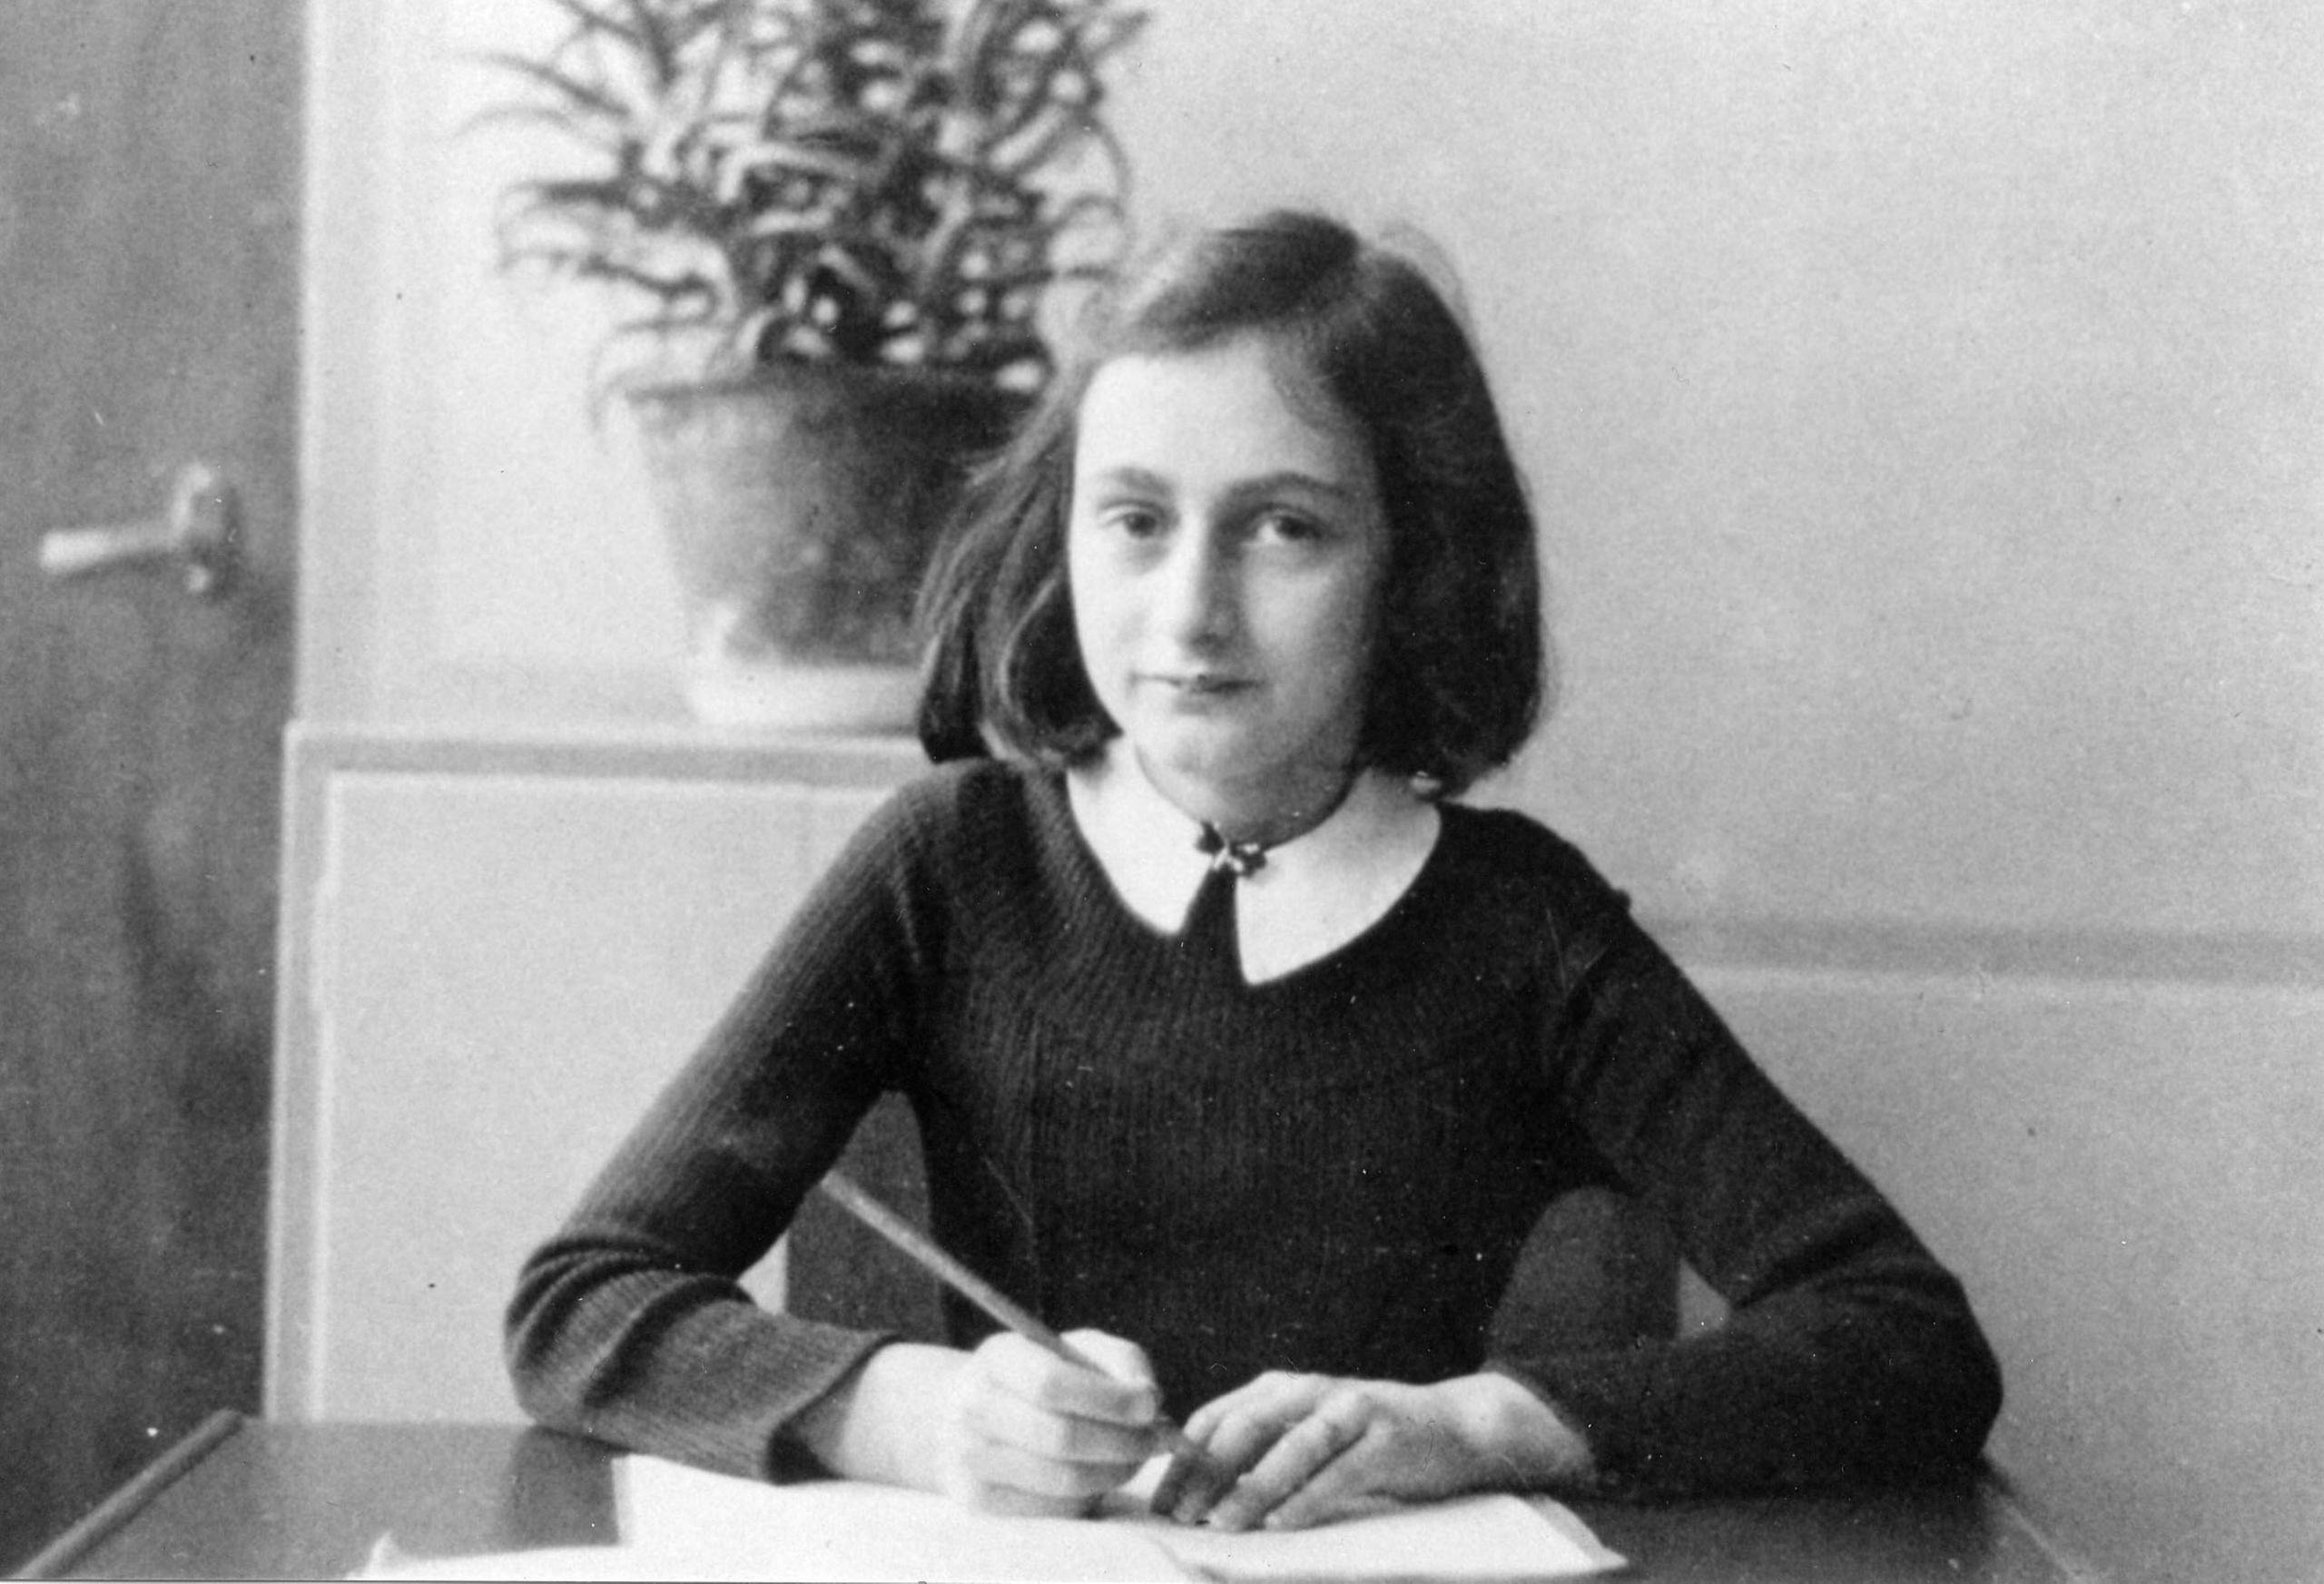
(1237, 1438)
(1235, 1429)
(1026, 1370)
(1298, 1456)
(1117, 1356)
(1190, 1487)
(1233, 1445)
(1277, 1395)
(1010, 1420)
(1000, 1501)
(1346, 1486)
(998, 1466)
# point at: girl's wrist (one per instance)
(875, 1424)
(1519, 1439)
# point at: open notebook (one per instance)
(678, 1523)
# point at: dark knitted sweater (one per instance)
(1331, 1171)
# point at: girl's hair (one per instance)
(1458, 668)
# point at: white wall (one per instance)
(1922, 411)
(477, 544)
(1922, 402)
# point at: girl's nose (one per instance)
(1196, 594)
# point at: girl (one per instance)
(1233, 1040)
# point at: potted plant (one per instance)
(836, 222)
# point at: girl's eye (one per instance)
(1133, 522)
(1283, 527)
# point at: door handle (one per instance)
(200, 532)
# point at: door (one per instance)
(148, 320)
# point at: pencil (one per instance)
(930, 1256)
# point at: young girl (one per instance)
(1236, 1047)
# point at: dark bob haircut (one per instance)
(1458, 668)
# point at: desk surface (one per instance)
(251, 1499)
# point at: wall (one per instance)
(1921, 407)
(498, 951)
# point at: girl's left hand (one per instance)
(1311, 1449)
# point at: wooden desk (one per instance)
(250, 1500)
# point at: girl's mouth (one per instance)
(1199, 683)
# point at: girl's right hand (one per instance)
(1026, 1433)
(1008, 1428)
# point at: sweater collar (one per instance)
(1314, 894)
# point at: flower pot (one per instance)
(800, 504)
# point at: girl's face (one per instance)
(1225, 554)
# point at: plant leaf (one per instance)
(893, 179)
(580, 95)
(588, 20)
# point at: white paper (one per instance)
(678, 1523)
(844, 1529)
(1481, 1538)
(928, 1537)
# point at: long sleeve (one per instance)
(630, 1324)
(1850, 1356)
(1334, 1171)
